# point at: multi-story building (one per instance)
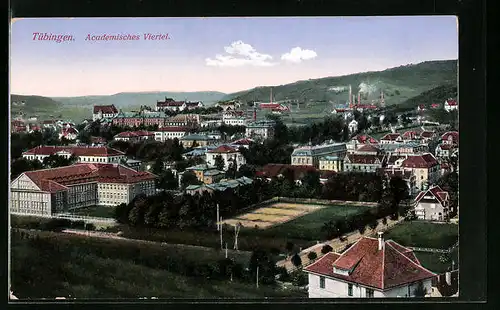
(104, 111)
(370, 268)
(176, 106)
(310, 155)
(391, 138)
(445, 150)
(51, 191)
(234, 119)
(134, 119)
(194, 140)
(358, 141)
(425, 167)
(432, 204)
(183, 120)
(331, 163)
(363, 163)
(83, 154)
(134, 136)
(450, 137)
(166, 133)
(229, 155)
(450, 105)
(263, 129)
(69, 133)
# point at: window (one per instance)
(322, 282)
(349, 289)
(369, 293)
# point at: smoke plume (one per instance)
(338, 89)
(366, 88)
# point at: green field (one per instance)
(308, 227)
(424, 234)
(77, 267)
(431, 261)
(96, 211)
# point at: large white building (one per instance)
(370, 268)
(166, 133)
(263, 129)
(450, 105)
(84, 154)
(50, 191)
(228, 154)
(104, 111)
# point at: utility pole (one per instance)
(221, 233)
(226, 249)
(217, 222)
(257, 276)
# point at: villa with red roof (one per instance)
(425, 167)
(445, 150)
(391, 138)
(426, 136)
(450, 137)
(50, 191)
(104, 111)
(171, 105)
(69, 133)
(370, 268)
(450, 105)
(410, 135)
(228, 153)
(363, 162)
(84, 154)
(432, 204)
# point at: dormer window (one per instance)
(341, 271)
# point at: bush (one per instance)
(296, 260)
(300, 279)
(326, 248)
(312, 256)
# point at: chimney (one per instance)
(254, 114)
(380, 240)
(448, 278)
(350, 97)
(359, 98)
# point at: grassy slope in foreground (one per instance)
(82, 268)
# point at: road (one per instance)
(336, 244)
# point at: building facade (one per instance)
(432, 204)
(426, 169)
(83, 154)
(166, 133)
(370, 268)
(331, 163)
(104, 111)
(51, 191)
(310, 155)
(263, 129)
(229, 155)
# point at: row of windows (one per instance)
(369, 292)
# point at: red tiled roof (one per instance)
(391, 136)
(365, 106)
(368, 148)
(420, 161)
(130, 134)
(244, 141)
(450, 134)
(364, 159)
(174, 129)
(106, 109)
(67, 131)
(76, 150)
(436, 191)
(269, 105)
(427, 134)
(409, 134)
(390, 267)
(224, 149)
(170, 103)
(58, 179)
(366, 139)
(451, 102)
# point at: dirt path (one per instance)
(336, 244)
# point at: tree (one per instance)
(311, 181)
(420, 290)
(289, 246)
(231, 169)
(326, 248)
(296, 260)
(189, 178)
(158, 167)
(312, 256)
(246, 171)
(219, 162)
(168, 181)
(384, 221)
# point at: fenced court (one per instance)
(272, 215)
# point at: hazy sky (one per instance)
(219, 54)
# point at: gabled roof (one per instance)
(105, 109)
(173, 129)
(224, 149)
(427, 134)
(365, 139)
(368, 148)
(451, 102)
(57, 179)
(451, 134)
(447, 147)
(364, 159)
(410, 134)
(384, 269)
(75, 150)
(436, 191)
(420, 161)
(391, 136)
(243, 141)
